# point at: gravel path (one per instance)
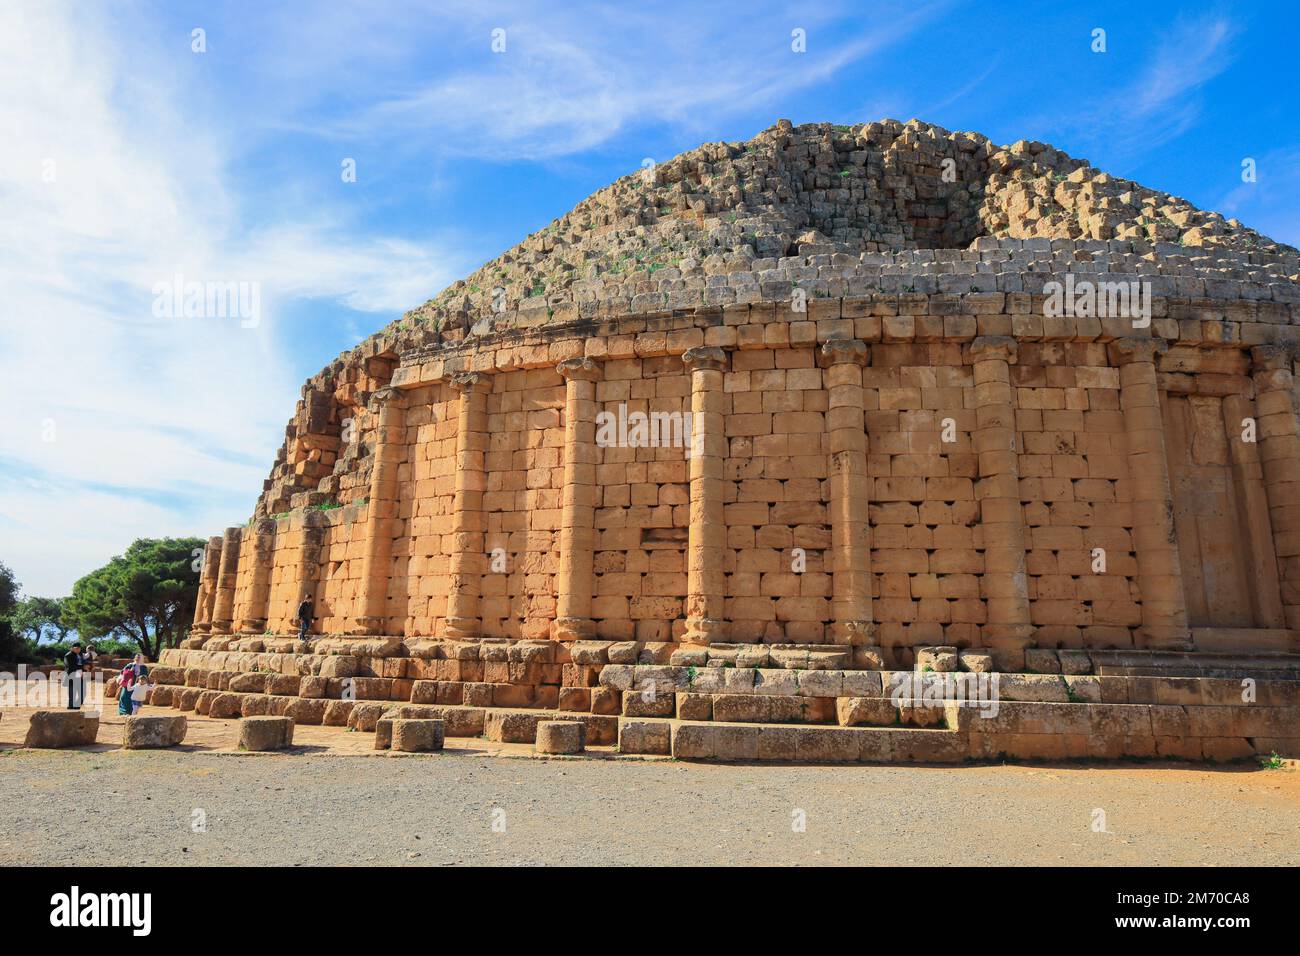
(136, 807)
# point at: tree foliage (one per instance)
(34, 617)
(146, 595)
(12, 647)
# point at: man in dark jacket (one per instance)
(306, 614)
(72, 664)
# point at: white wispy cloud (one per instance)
(572, 78)
(120, 423)
(1160, 102)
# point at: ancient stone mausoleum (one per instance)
(840, 399)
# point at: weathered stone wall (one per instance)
(948, 464)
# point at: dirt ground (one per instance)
(333, 800)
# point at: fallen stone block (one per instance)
(559, 736)
(153, 733)
(61, 728)
(258, 734)
(417, 736)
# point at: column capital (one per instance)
(844, 352)
(995, 347)
(705, 357)
(465, 382)
(581, 369)
(386, 396)
(1133, 348)
(1271, 358)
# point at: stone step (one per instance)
(692, 740)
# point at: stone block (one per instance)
(61, 728)
(510, 728)
(265, 733)
(694, 707)
(872, 711)
(560, 736)
(254, 683)
(644, 703)
(142, 732)
(337, 713)
(976, 662)
(1042, 660)
(1074, 661)
(417, 735)
(574, 699)
(606, 700)
(639, 736)
(227, 705)
(940, 659)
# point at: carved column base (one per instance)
(253, 625)
(1007, 643)
(462, 629)
(573, 629)
(1165, 638)
(201, 628)
(705, 630)
(367, 626)
(853, 633)
(222, 627)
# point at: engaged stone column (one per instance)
(1008, 630)
(1160, 573)
(381, 510)
(850, 554)
(576, 580)
(255, 610)
(706, 584)
(223, 611)
(207, 598)
(1279, 450)
(310, 558)
(467, 523)
(1253, 513)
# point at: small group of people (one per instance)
(131, 686)
(79, 663)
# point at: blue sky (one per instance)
(130, 158)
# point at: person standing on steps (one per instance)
(72, 664)
(306, 614)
